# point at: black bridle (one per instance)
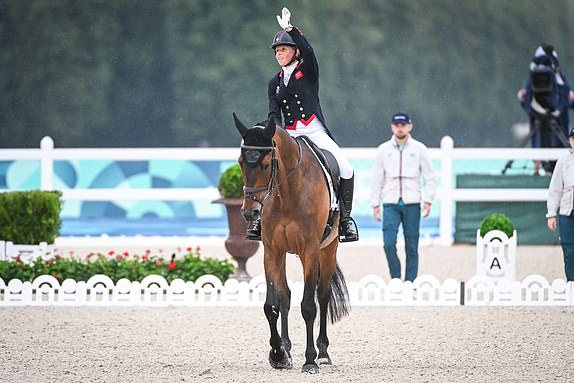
(253, 155)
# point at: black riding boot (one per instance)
(253, 231)
(347, 227)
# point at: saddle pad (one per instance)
(328, 178)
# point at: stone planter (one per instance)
(236, 245)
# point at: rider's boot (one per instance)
(253, 231)
(348, 231)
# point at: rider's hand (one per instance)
(285, 19)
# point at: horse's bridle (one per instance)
(250, 192)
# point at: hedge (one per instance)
(30, 217)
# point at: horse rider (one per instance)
(294, 93)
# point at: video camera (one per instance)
(545, 95)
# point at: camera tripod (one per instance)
(540, 123)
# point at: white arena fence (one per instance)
(447, 192)
(208, 290)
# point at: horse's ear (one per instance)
(269, 130)
(239, 125)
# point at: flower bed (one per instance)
(188, 265)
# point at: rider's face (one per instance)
(284, 54)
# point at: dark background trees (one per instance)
(170, 73)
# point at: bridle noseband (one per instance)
(249, 192)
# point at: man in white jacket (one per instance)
(560, 206)
(400, 166)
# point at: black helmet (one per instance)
(282, 38)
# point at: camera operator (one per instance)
(545, 97)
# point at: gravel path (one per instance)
(373, 344)
(182, 344)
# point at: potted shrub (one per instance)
(230, 187)
(496, 247)
(29, 223)
(497, 222)
(231, 183)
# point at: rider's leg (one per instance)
(347, 227)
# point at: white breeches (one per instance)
(318, 134)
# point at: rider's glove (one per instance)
(285, 19)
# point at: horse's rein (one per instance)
(271, 186)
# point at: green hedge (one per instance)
(30, 217)
(189, 267)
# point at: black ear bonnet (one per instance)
(257, 141)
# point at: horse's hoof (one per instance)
(310, 369)
(324, 361)
(280, 362)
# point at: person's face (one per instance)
(401, 130)
(284, 54)
(572, 142)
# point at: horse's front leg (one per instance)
(284, 296)
(309, 311)
(279, 355)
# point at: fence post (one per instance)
(47, 163)
(446, 189)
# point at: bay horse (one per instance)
(286, 188)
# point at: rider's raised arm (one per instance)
(305, 48)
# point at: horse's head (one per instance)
(258, 165)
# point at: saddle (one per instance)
(331, 175)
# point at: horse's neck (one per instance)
(287, 149)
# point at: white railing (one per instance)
(208, 290)
(446, 154)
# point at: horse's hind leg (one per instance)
(322, 340)
(309, 311)
(333, 299)
(328, 268)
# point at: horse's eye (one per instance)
(266, 166)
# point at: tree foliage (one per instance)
(170, 73)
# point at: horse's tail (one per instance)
(339, 305)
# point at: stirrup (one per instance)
(253, 232)
(348, 231)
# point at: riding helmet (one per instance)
(282, 38)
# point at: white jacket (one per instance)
(561, 189)
(397, 174)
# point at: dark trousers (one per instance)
(566, 230)
(409, 216)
